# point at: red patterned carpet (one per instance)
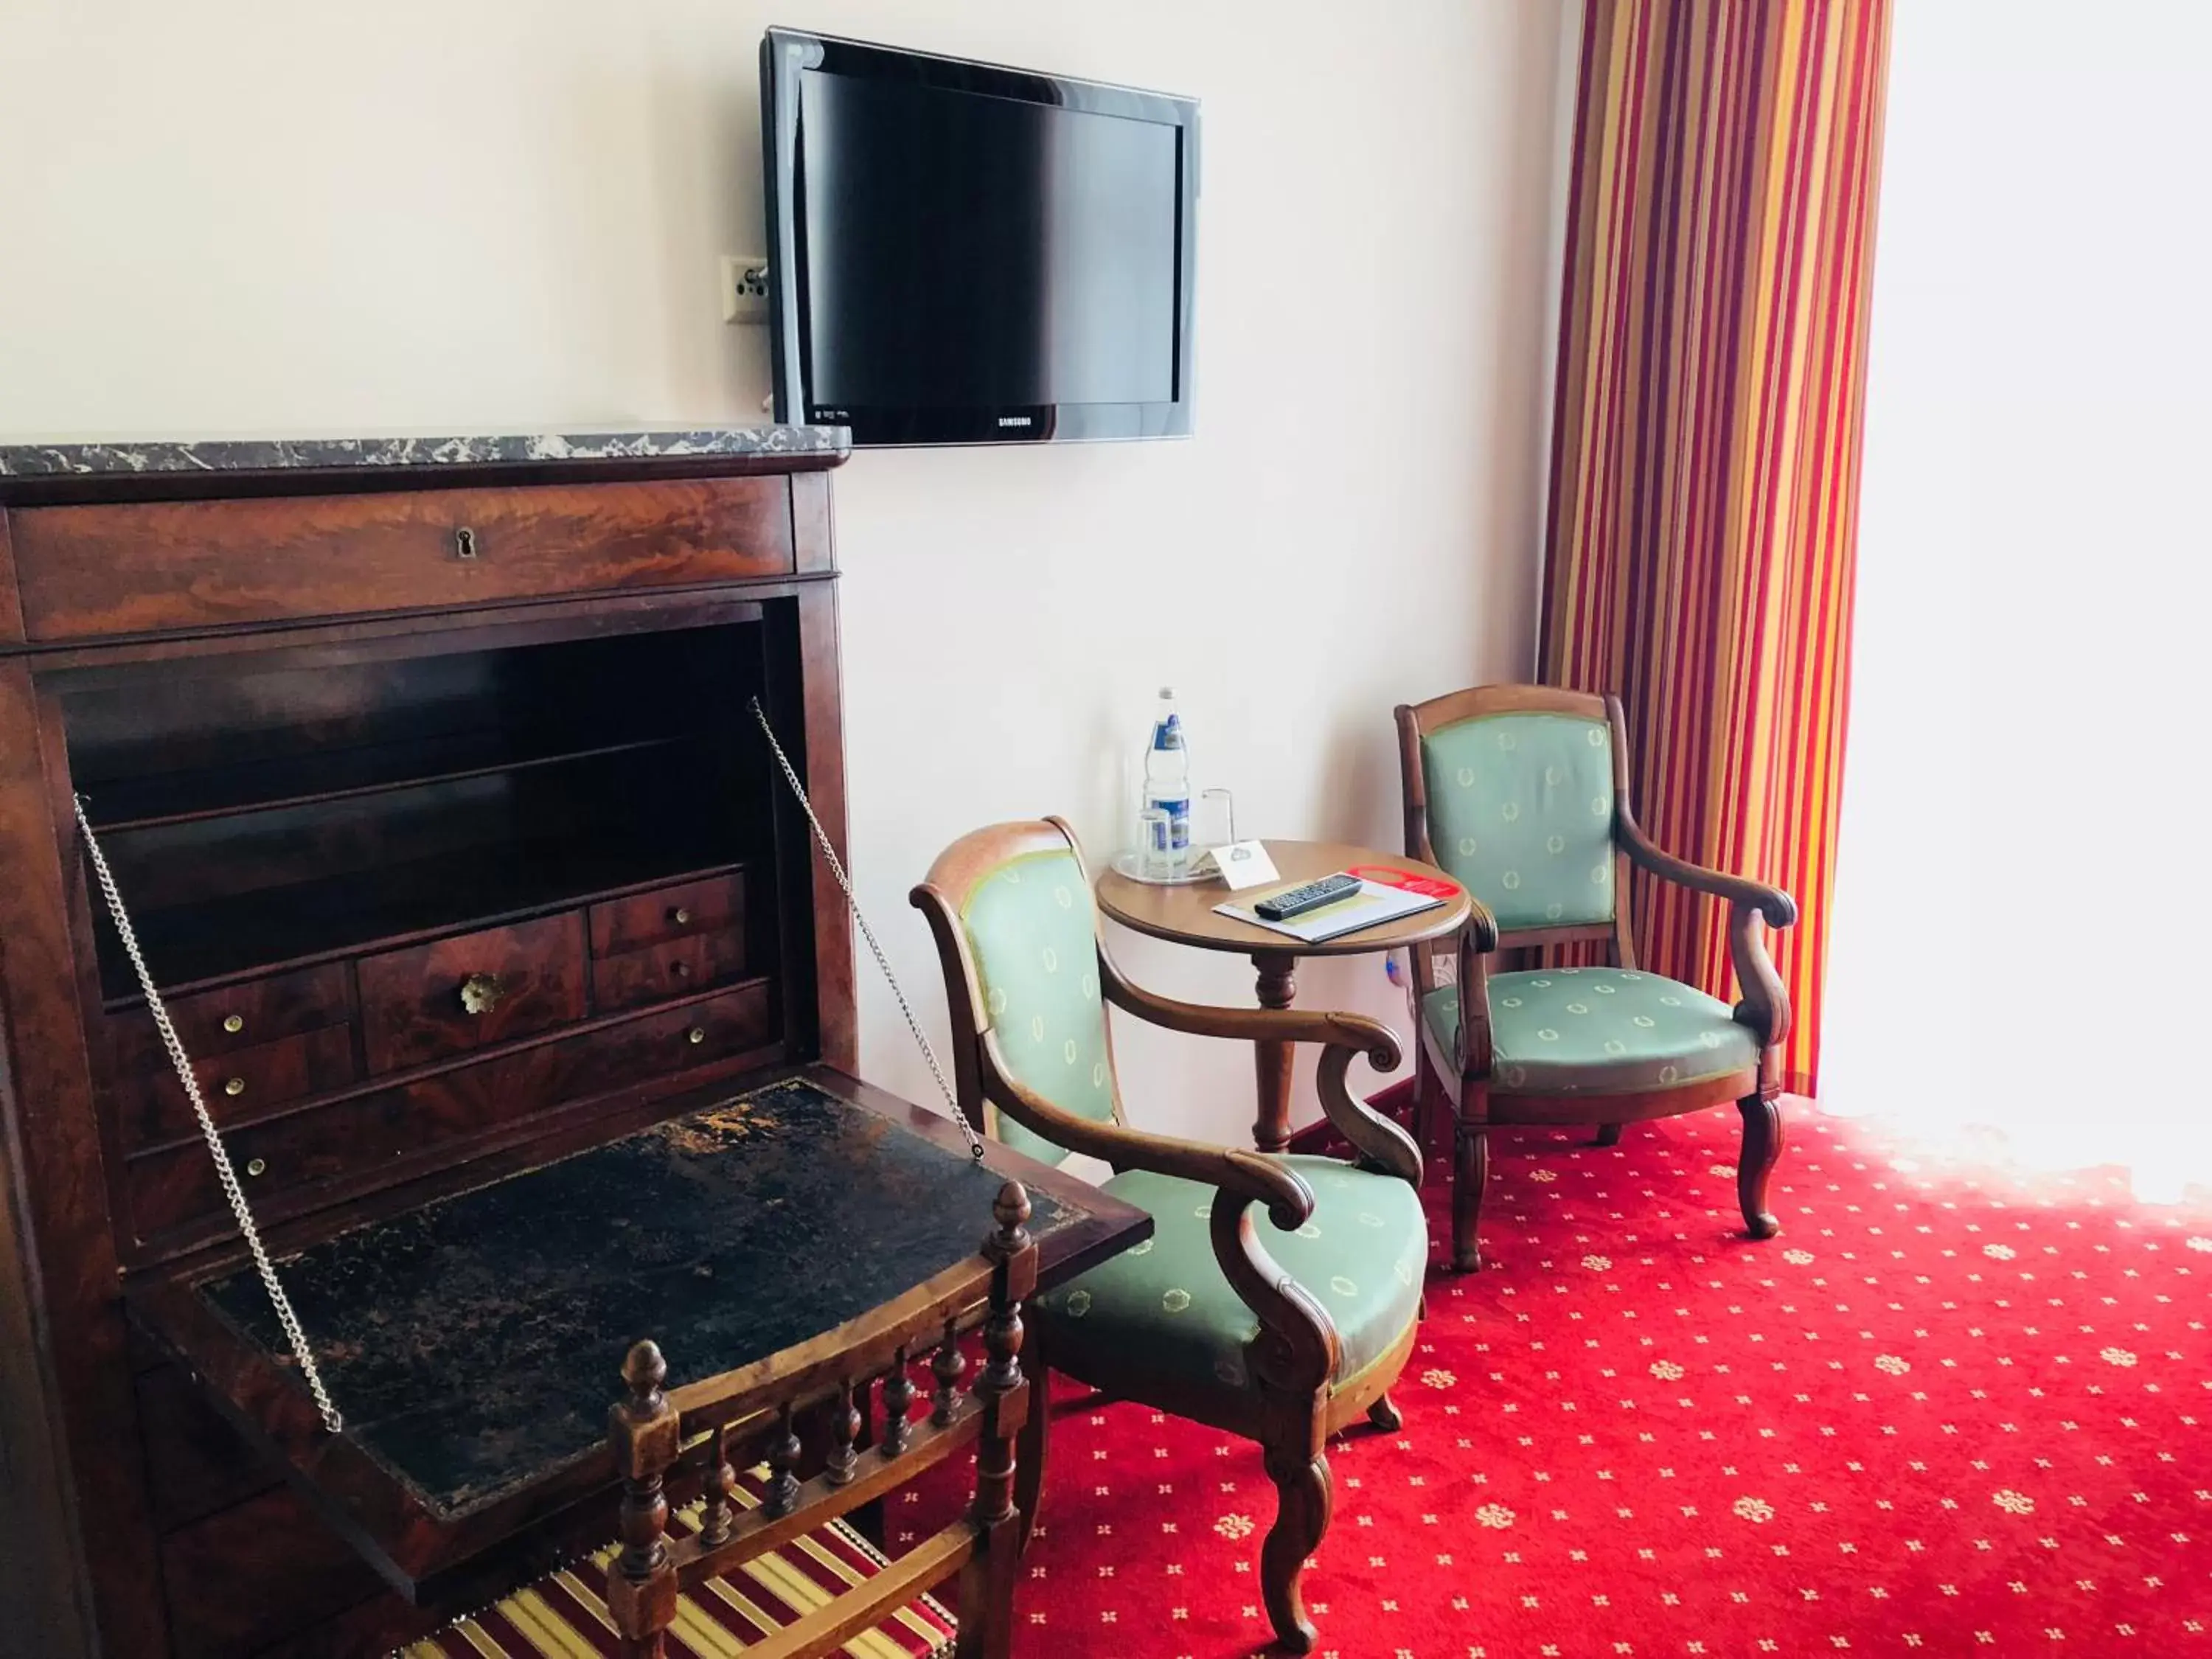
(1944, 1413)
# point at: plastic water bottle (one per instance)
(1167, 777)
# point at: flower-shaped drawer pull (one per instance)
(480, 993)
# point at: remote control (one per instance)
(1311, 896)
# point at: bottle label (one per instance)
(1168, 733)
(1178, 810)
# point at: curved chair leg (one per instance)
(1608, 1134)
(1762, 1148)
(1029, 1451)
(1384, 1414)
(1469, 1178)
(1301, 1510)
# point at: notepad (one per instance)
(1370, 906)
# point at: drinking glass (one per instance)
(1156, 853)
(1213, 818)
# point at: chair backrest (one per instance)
(1515, 790)
(1018, 934)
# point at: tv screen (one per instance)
(964, 253)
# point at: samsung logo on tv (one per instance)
(1013, 420)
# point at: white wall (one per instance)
(2020, 901)
(243, 218)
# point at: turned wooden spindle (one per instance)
(946, 1366)
(1003, 1397)
(844, 1437)
(645, 1433)
(1002, 1331)
(720, 1516)
(898, 1403)
(783, 1467)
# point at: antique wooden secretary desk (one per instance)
(428, 773)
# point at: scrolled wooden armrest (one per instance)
(1377, 1139)
(1777, 906)
(1765, 1005)
(1297, 1345)
(1229, 1169)
(1481, 930)
(1342, 1036)
(1354, 1031)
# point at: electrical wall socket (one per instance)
(744, 288)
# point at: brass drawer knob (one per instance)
(680, 916)
(256, 1166)
(696, 1033)
(679, 970)
(480, 993)
(234, 1023)
(234, 1087)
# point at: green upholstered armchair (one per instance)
(1521, 792)
(1286, 1339)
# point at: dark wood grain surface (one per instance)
(415, 1005)
(89, 572)
(313, 733)
(659, 971)
(288, 1155)
(668, 912)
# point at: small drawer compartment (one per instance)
(236, 1016)
(661, 971)
(242, 1083)
(370, 1132)
(148, 567)
(431, 1001)
(714, 905)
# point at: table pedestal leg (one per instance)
(1272, 1060)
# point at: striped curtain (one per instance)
(1706, 451)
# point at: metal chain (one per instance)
(224, 1173)
(845, 882)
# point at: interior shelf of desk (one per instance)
(258, 815)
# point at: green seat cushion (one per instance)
(1599, 1031)
(1361, 1256)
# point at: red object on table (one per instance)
(1387, 875)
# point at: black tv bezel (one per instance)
(784, 54)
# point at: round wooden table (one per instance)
(1185, 914)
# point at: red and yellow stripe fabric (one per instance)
(565, 1616)
(1706, 451)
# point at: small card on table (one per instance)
(1240, 864)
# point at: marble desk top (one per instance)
(156, 458)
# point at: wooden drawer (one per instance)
(233, 1588)
(152, 1107)
(430, 1001)
(666, 913)
(142, 568)
(237, 1017)
(196, 1463)
(660, 972)
(353, 1136)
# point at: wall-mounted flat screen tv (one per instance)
(964, 254)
